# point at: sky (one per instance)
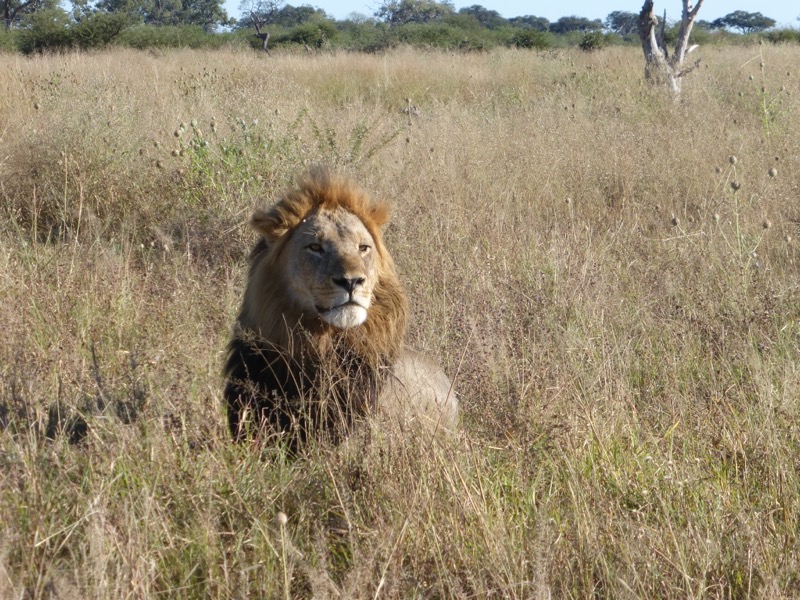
(785, 12)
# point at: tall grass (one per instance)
(610, 277)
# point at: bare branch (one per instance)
(687, 22)
(658, 63)
(688, 70)
(692, 12)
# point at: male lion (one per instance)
(319, 339)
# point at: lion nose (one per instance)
(349, 283)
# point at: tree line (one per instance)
(41, 25)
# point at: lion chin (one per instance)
(345, 316)
(319, 341)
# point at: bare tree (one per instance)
(659, 65)
(263, 36)
(262, 12)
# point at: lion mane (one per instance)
(288, 371)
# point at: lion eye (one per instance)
(315, 248)
(364, 248)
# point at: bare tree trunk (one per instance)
(263, 36)
(659, 65)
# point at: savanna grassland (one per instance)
(609, 276)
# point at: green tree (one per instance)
(286, 16)
(45, 29)
(491, 19)
(52, 29)
(531, 38)
(359, 32)
(531, 22)
(13, 10)
(150, 12)
(622, 22)
(207, 14)
(291, 16)
(744, 21)
(313, 34)
(401, 12)
(98, 29)
(593, 40)
(573, 23)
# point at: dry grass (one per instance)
(621, 323)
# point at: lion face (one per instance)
(321, 273)
(331, 267)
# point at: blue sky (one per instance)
(785, 12)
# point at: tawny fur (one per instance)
(287, 369)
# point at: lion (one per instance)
(319, 341)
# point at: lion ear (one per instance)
(270, 223)
(380, 213)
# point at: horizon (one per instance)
(774, 9)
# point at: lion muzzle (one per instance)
(344, 316)
(348, 305)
